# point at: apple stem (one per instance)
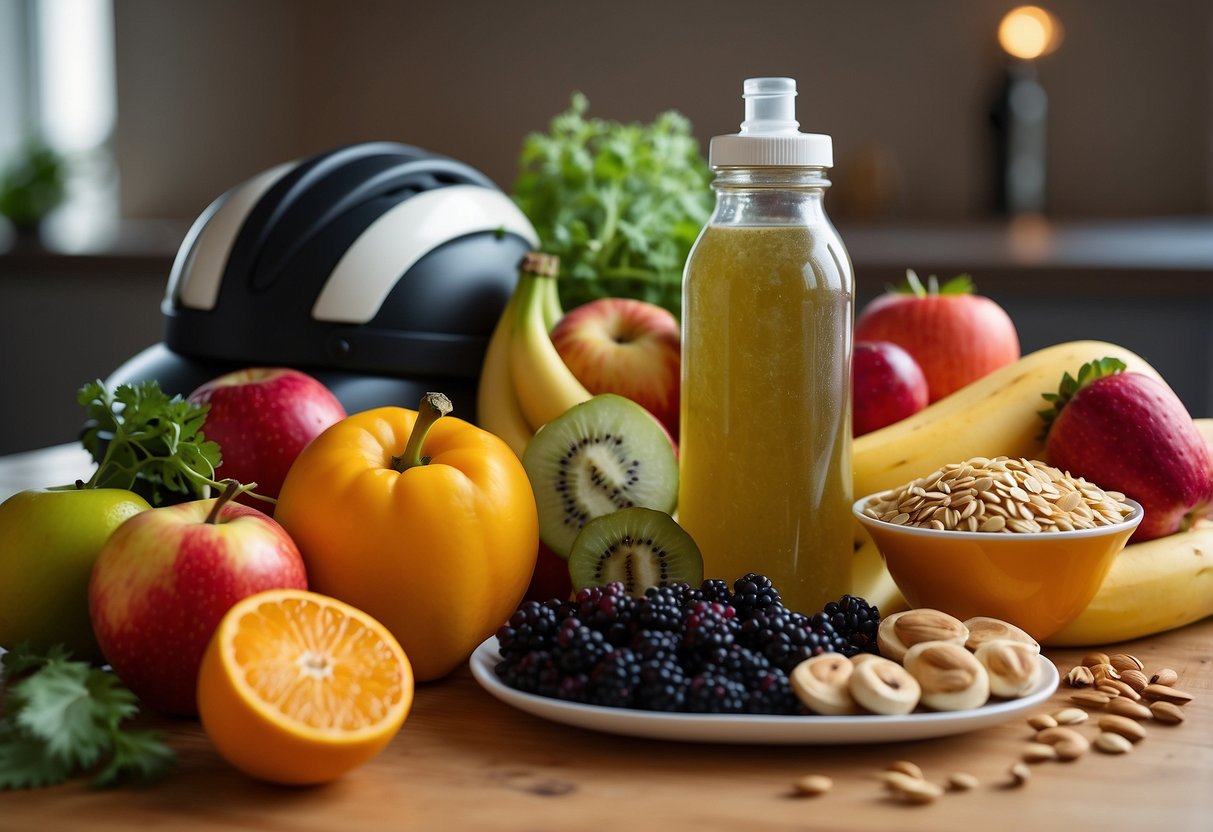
(433, 407)
(230, 489)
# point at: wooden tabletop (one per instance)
(466, 761)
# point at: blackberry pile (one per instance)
(709, 649)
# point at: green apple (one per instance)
(49, 539)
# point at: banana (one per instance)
(994, 416)
(545, 386)
(871, 581)
(552, 311)
(497, 407)
(1153, 586)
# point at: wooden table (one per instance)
(466, 761)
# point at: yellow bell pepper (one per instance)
(426, 523)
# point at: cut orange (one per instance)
(299, 688)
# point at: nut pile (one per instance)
(1120, 684)
(927, 658)
(999, 495)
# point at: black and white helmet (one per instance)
(379, 268)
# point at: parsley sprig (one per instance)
(620, 204)
(150, 443)
(61, 717)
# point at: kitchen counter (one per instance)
(467, 761)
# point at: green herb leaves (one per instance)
(62, 716)
(146, 442)
(620, 204)
(962, 284)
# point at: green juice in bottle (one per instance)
(768, 302)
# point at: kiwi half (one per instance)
(638, 547)
(603, 455)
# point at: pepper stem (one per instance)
(230, 489)
(433, 407)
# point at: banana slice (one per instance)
(902, 630)
(1011, 665)
(821, 684)
(952, 679)
(983, 629)
(883, 686)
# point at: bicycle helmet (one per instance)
(379, 268)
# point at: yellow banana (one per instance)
(1153, 586)
(497, 407)
(552, 311)
(994, 416)
(871, 581)
(545, 386)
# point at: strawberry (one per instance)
(1129, 432)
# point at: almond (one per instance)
(1124, 661)
(1164, 693)
(1127, 728)
(1041, 721)
(1167, 713)
(1080, 676)
(1129, 708)
(813, 785)
(1166, 676)
(1110, 743)
(1093, 659)
(1135, 679)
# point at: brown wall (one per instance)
(210, 93)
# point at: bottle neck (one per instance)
(770, 196)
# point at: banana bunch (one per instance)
(1152, 586)
(524, 383)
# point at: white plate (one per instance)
(756, 729)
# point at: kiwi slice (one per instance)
(638, 547)
(603, 455)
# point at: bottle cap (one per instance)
(770, 134)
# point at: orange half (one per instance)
(299, 688)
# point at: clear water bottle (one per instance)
(768, 305)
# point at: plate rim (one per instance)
(821, 730)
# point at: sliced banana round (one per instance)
(902, 630)
(983, 629)
(952, 679)
(821, 683)
(1013, 667)
(883, 686)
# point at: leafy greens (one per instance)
(620, 204)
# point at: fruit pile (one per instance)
(677, 648)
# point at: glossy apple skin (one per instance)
(956, 339)
(49, 540)
(163, 581)
(262, 417)
(550, 579)
(628, 347)
(887, 386)
(1131, 433)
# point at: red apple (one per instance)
(1129, 432)
(627, 347)
(888, 385)
(955, 336)
(262, 418)
(165, 578)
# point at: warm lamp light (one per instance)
(1028, 32)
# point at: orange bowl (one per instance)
(1039, 582)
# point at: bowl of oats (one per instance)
(1014, 539)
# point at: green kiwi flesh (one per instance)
(603, 455)
(638, 547)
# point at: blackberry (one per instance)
(787, 638)
(615, 679)
(752, 593)
(770, 692)
(573, 688)
(712, 692)
(742, 663)
(709, 626)
(531, 627)
(657, 644)
(660, 609)
(716, 591)
(579, 647)
(603, 607)
(532, 673)
(857, 622)
(663, 685)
